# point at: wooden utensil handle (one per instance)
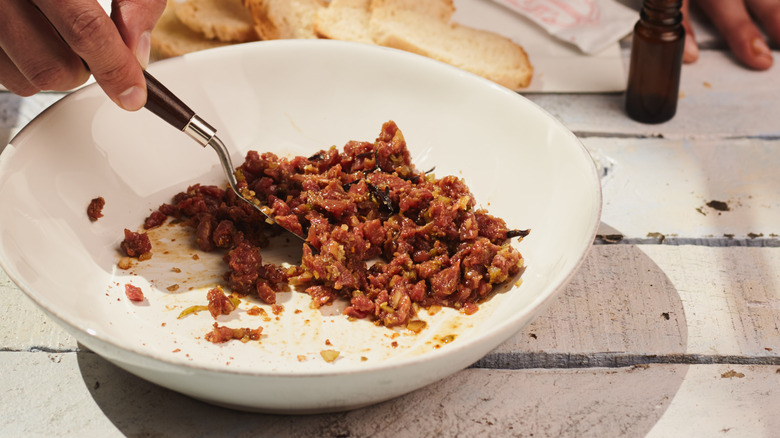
(165, 104)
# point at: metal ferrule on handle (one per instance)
(199, 130)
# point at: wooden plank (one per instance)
(715, 93)
(626, 305)
(722, 190)
(657, 303)
(80, 394)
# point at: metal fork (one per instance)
(164, 104)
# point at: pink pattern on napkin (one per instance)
(591, 25)
(559, 13)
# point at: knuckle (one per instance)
(56, 77)
(49, 77)
(88, 30)
(112, 74)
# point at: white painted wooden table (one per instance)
(670, 328)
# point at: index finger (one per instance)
(744, 38)
(91, 34)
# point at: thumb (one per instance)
(135, 20)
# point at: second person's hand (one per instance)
(738, 21)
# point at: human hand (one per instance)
(734, 20)
(55, 45)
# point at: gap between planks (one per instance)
(542, 360)
(713, 242)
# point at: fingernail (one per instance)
(760, 47)
(143, 48)
(132, 99)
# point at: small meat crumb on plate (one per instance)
(134, 293)
(95, 208)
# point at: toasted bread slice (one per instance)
(280, 19)
(383, 11)
(224, 20)
(344, 20)
(170, 37)
(423, 28)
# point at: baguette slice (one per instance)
(420, 27)
(394, 10)
(170, 37)
(281, 19)
(344, 20)
(224, 20)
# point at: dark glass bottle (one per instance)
(656, 62)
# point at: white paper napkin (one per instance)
(591, 25)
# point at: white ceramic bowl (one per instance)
(288, 97)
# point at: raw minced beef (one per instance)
(136, 244)
(134, 293)
(95, 208)
(366, 203)
(219, 303)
